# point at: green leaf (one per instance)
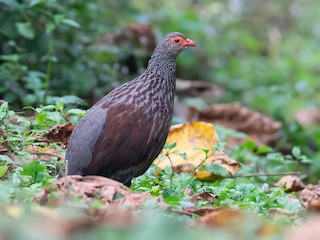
(6, 159)
(26, 30)
(50, 26)
(37, 172)
(296, 152)
(170, 146)
(58, 18)
(71, 23)
(32, 168)
(3, 110)
(36, 2)
(10, 58)
(264, 149)
(76, 111)
(184, 156)
(12, 4)
(3, 170)
(217, 170)
(250, 145)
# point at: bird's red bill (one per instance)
(188, 43)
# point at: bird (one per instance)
(121, 135)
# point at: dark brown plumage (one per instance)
(125, 131)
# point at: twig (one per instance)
(47, 153)
(264, 174)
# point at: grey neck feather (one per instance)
(163, 64)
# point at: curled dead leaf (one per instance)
(138, 34)
(291, 183)
(198, 89)
(200, 211)
(310, 197)
(220, 218)
(204, 196)
(260, 128)
(43, 154)
(91, 188)
(193, 147)
(59, 133)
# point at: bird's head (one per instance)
(174, 43)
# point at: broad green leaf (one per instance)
(3, 110)
(296, 152)
(10, 58)
(71, 99)
(26, 30)
(6, 159)
(12, 4)
(36, 2)
(250, 145)
(216, 169)
(71, 23)
(50, 26)
(3, 170)
(170, 146)
(76, 111)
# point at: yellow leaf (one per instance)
(195, 141)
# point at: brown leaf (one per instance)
(60, 133)
(259, 127)
(91, 188)
(198, 89)
(43, 154)
(200, 211)
(204, 196)
(220, 218)
(291, 183)
(190, 139)
(310, 197)
(137, 34)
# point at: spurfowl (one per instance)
(125, 131)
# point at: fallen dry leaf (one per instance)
(260, 128)
(204, 196)
(138, 34)
(91, 188)
(59, 133)
(190, 139)
(43, 154)
(235, 221)
(291, 183)
(200, 211)
(310, 197)
(198, 89)
(220, 218)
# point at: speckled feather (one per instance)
(125, 131)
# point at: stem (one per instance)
(47, 153)
(202, 162)
(264, 174)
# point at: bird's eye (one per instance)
(177, 40)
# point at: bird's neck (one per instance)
(163, 68)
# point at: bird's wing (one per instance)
(122, 144)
